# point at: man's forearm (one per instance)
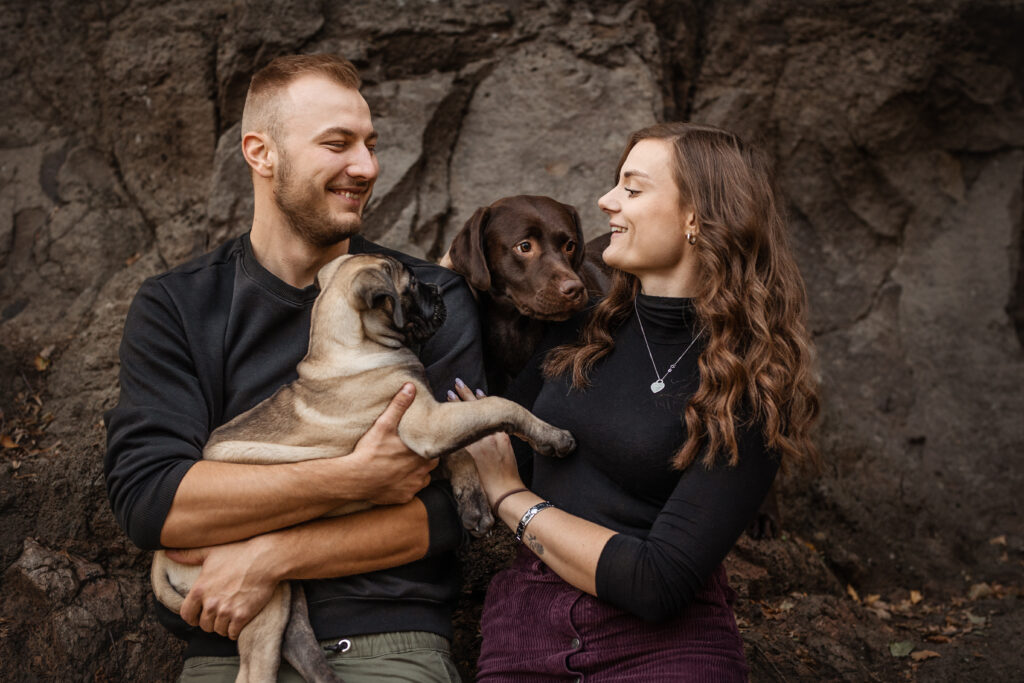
(237, 579)
(220, 502)
(367, 541)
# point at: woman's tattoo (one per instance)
(534, 545)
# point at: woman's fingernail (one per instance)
(480, 393)
(459, 383)
(451, 395)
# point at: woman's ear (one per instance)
(690, 226)
(259, 153)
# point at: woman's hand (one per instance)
(235, 583)
(495, 460)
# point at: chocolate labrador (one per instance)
(525, 259)
(370, 308)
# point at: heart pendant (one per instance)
(657, 386)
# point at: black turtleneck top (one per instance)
(674, 528)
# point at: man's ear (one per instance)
(259, 153)
(468, 252)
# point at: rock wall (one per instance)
(898, 132)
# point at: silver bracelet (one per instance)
(528, 515)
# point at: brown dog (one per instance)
(369, 310)
(525, 258)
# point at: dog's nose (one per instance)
(571, 289)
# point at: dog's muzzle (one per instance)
(428, 314)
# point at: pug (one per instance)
(369, 311)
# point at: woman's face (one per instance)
(648, 226)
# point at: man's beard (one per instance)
(304, 208)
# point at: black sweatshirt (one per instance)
(214, 337)
(674, 528)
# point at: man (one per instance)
(211, 338)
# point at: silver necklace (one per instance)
(659, 382)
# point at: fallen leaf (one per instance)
(901, 648)
(979, 591)
(915, 597)
(7, 442)
(42, 363)
(133, 258)
(998, 540)
(881, 613)
(936, 638)
(922, 655)
(976, 620)
(872, 599)
(852, 593)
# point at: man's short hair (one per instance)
(261, 111)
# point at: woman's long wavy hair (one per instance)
(757, 362)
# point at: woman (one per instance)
(688, 386)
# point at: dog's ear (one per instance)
(376, 289)
(324, 275)
(578, 255)
(468, 252)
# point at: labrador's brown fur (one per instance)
(519, 290)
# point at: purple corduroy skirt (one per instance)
(536, 627)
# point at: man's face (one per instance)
(326, 163)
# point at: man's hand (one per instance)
(236, 582)
(389, 473)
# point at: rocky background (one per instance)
(898, 130)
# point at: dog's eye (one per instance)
(570, 246)
(523, 247)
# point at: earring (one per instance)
(691, 238)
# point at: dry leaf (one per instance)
(881, 613)
(922, 655)
(42, 363)
(979, 591)
(852, 593)
(7, 442)
(976, 620)
(133, 258)
(872, 599)
(901, 648)
(998, 540)
(936, 638)
(915, 597)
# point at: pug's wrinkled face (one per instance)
(397, 308)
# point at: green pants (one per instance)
(412, 656)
